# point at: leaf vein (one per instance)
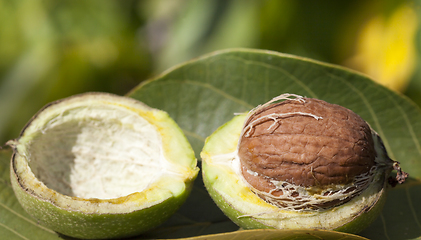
(24, 218)
(408, 124)
(220, 92)
(13, 231)
(279, 69)
(384, 226)
(411, 206)
(193, 135)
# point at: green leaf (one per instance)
(15, 223)
(202, 94)
(401, 215)
(270, 234)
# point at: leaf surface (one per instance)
(203, 94)
(15, 223)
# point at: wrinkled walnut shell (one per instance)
(307, 151)
(293, 149)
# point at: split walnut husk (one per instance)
(98, 165)
(298, 162)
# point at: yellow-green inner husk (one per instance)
(249, 211)
(105, 218)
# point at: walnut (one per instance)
(307, 154)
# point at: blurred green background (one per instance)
(54, 49)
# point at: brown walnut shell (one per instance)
(310, 144)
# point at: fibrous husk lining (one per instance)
(292, 197)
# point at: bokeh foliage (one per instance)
(54, 49)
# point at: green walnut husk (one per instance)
(97, 166)
(222, 179)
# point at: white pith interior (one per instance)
(97, 151)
